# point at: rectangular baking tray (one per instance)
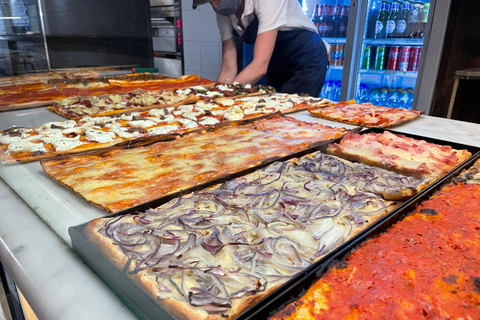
(145, 307)
(297, 286)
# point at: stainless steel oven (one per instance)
(167, 36)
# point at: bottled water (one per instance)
(393, 100)
(404, 102)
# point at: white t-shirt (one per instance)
(272, 14)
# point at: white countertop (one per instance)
(54, 281)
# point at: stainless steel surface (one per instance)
(168, 67)
(431, 54)
(356, 18)
(164, 44)
(157, 3)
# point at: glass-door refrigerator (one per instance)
(391, 50)
(331, 20)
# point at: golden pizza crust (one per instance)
(357, 120)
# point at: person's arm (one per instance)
(228, 70)
(262, 53)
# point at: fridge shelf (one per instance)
(408, 74)
(335, 67)
(399, 42)
(335, 40)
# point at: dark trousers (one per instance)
(299, 63)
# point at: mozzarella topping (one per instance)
(6, 139)
(99, 136)
(65, 143)
(19, 146)
(233, 114)
(63, 124)
(163, 129)
(226, 102)
(189, 124)
(208, 121)
(141, 123)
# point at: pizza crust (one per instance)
(343, 111)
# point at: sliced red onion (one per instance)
(213, 244)
(330, 240)
(321, 227)
(267, 215)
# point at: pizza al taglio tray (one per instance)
(298, 286)
(145, 307)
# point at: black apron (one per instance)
(299, 61)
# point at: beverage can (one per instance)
(380, 57)
(393, 58)
(414, 59)
(338, 55)
(366, 57)
(333, 48)
(404, 57)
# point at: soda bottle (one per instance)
(372, 18)
(316, 16)
(381, 23)
(412, 21)
(421, 16)
(323, 25)
(401, 30)
(423, 24)
(336, 20)
(328, 13)
(392, 19)
(343, 23)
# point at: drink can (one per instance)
(333, 48)
(366, 57)
(393, 58)
(404, 58)
(379, 59)
(338, 55)
(414, 59)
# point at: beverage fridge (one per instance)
(389, 52)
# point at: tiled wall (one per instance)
(201, 41)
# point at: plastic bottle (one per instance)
(375, 97)
(403, 103)
(412, 21)
(363, 94)
(383, 97)
(393, 100)
(338, 88)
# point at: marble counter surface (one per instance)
(36, 213)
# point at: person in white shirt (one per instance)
(287, 47)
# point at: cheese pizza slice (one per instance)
(365, 114)
(399, 153)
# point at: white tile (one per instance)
(210, 58)
(191, 51)
(191, 25)
(209, 29)
(187, 5)
(191, 72)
